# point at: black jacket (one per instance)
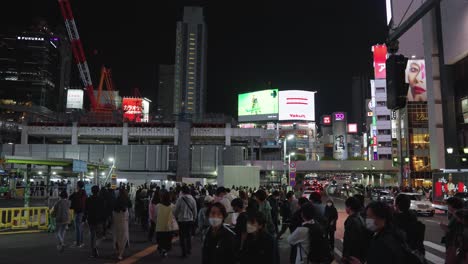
(259, 249)
(386, 248)
(356, 237)
(285, 211)
(296, 220)
(331, 215)
(408, 223)
(219, 247)
(95, 210)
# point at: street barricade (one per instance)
(20, 218)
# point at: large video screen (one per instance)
(258, 106)
(297, 105)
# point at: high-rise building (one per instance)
(381, 131)
(34, 69)
(360, 91)
(190, 63)
(165, 101)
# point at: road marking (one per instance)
(434, 259)
(431, 221)
(145, 252)
(338, 252)
(434, 246)
(22, 232)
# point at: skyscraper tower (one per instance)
(190, 63)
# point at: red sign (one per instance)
(132, 108)
(380, 57)
(326, 120)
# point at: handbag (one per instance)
(173, 225)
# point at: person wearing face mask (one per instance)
(386, 245)
(219, 240)
(356, 236)
(259, 245)
(331, 216)
(239, 219)
(452, 230)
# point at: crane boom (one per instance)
(78, 53)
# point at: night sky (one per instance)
(309, 45)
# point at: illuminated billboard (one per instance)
(416, 78)
(297, 105)
(132, 109)
(75, 99)
(380, 58)
(258, 106)
(326, 120)
(352, 128)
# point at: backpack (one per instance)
(319, 247)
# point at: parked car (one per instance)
(420, 205)
(382, 195)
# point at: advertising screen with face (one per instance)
(416, 78)
(297, 105)
(258, 106)
(446, 185)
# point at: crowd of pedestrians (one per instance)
(244, 225)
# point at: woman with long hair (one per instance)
(163, 215)
(120, 219)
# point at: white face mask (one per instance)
(214, 221)
(329, 204)
(251, 228)
(370, 224)
(234, 218)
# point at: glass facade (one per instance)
(419, 163)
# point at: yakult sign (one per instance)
(297, 105)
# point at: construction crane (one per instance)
(106, 78)
(78, 52)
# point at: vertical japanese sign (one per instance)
(380, 57)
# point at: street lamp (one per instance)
(406, 159)
(286, 138)
(449, 150)
(465, 150)
(289, 167)
(111, 159)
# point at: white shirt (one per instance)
(300, 237)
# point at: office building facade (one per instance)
(190, 63)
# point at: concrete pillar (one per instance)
(24, 133)
(125, 134)
(74, 135)
(184, 125)
(434, 95)
(228, 134)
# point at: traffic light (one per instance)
(397, 88)
(395, 162)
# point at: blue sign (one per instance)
(80, 166)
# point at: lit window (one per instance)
(192, 43)
(191, 83)
(191, 48)
(191, 53)
(191, 78)
(192, 63)
(191, 73)
(192, 38)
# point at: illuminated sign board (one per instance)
(258, 106)
(297, 105)
(370, 114)
(75, 99)
(340, 116)
(416, 78)
(326, 120)
(380, 58)
(132, 109)
(352, 128)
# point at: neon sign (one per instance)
(339, 116)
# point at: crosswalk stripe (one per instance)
(338, 252)
(434, 259)
(434, 246)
